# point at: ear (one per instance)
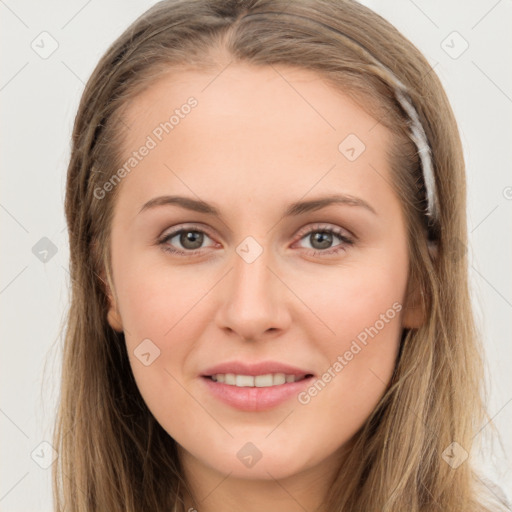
(414, 314)
(414, 307)
(113, 316)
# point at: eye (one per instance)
(321, 238)
(191, 239)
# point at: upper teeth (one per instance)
(259, 381)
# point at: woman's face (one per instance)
(270, 282)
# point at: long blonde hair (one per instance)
(113, 454)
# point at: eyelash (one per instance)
(317, 228)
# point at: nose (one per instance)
(255, 301)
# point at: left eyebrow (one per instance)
(293, 210)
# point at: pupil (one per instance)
(323, 237)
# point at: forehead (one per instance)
(250, 93)
(271, 129)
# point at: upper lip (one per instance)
(260, 368)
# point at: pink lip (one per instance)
(253, 398)
(261, 368)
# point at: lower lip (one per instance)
(253, 398)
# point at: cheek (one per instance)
(158, 309)
(351, 299)
(155, 302)
(363, 306)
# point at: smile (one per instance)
(255, 393)
(258, 381)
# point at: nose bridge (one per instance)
(253, 301)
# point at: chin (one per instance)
(262, 460)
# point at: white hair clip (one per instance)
(419, 138)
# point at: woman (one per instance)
(247, 370)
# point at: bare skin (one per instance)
(252, 146)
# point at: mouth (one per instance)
(256, 393)
(255, 385)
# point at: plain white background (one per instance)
(39, 98)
